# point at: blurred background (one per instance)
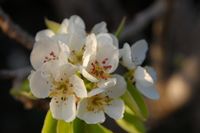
(172, 28)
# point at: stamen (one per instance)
(61, 89)
(98, 102)
(50, 57)
(107, 67)
(99, 70)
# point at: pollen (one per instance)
(99, 70)
(98, 102)
(62, 89)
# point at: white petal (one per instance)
(115, 41)
(50, 69)
(90, 49)
(106, 50)
(41, 50)
(115, 109)
(63, 110)
(40, 86)
(79, 86)
(64, 53)
(88, 116)
(77, 20)
(65, 71)
(77, 34)
(139, 50)
(143, 77)
(64, 26)
(110, 82)
(148, 91)
(118, 89)
(96, 91)
(63, 38)
(44, 34)
(145, 83)
(77, 38)
(104, 39)
(99, 28)
(152, 72)
(88, 76)
(126, 57)
(114, 60)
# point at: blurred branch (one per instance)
(41, 104)
(15, 32)
(18, 76)
(144, 18)
(15, 74)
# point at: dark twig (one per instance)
(15, 32)
(143, 19)
(15, 74)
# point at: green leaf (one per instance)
(131, 123)
(120, 27)
(134, 100)
(52, 25)
(50, 124)
(81, 127)
(64, 127)
(97, 128)
(131, 103)
(138, 99)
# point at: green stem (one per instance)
(120, 27)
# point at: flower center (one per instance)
(76, 57)
(100, 70)
(98, 102)
(62, 89)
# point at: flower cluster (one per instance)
(75, 69)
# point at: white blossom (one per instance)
(145, 82)
(101, 57)
(61, 83)
(92, 108)
(145, 78)
(75, 69)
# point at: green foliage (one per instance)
(81, 127)
(138, 98)
(64, 127)
(50, 124)
(131, 123)
(120, 27)
(135, 101)
(52, 25)
(97, 128)
(77, 126)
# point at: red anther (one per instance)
(104, 62)
(52, 54)
(93, 65)
(107, 67)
